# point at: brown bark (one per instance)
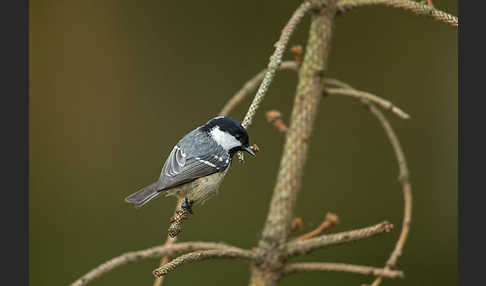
(306, 104)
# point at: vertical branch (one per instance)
(308, 95)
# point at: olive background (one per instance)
(115, 84)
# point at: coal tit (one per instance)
(197, 164)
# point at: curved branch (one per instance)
(341, 267)
(375, 99)
(403, 178)
(275, 61)
(203, 255)
(305, 246)
(153, 252)
(414, 7)
(406, 187)
(250, 86)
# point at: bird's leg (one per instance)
(186, 204)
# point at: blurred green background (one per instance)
(115, 84)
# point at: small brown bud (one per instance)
(298, 54)
(275, 117)
(297, 224)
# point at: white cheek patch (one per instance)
(225, 140)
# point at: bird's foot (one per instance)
(186, 204)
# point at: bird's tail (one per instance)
(143, 196)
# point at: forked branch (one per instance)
(154, 252)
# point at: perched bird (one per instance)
(197, 164)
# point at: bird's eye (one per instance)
(238, 136)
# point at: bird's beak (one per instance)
(249, 150)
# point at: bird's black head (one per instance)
(228, 133)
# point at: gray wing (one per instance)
(180, 167)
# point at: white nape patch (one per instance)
(224, 139)
(206, 162)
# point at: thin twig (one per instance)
(329, 82)
(378, 100)
(250, 86)
(153, 252)
(170, 240)
(275, 61)
(303, 247)
(203, 255)
(403, 177)
(416, 8)
(341, 267)
(406, 187)
(330, 220)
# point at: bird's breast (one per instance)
(199, 190)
